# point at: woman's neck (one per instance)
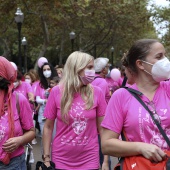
(147, 87)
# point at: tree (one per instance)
(98, 26)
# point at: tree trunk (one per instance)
(46, 37)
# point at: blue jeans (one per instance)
(16, 163)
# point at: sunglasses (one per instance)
(152, 108)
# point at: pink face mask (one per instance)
(88, 76)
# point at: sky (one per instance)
(161, 3)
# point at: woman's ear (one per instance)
(139, 64)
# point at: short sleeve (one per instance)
(25, 113)
(115, 115)
(28, 88)
(101, 102)
(50, 111)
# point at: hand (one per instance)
(152, 152)
(31, 100)
(105, 166)
(12, 144)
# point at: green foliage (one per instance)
(161, 17)
(98, 26)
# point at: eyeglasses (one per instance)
(151, 107)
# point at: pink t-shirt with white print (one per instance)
(125, 112)
(24, 88)
(75, 145)
(22, 121)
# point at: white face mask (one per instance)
(160, 70)
(28, 81)
(47, 73)
(16, 84)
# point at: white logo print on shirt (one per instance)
(2, 128)
(79, 126)
(156, 137)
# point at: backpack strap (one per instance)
(124, 81)
(17, 103)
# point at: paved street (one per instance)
(37, 155)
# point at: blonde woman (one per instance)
(79, 109)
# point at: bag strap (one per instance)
(136, 94)
(17, 103)
(124, 81)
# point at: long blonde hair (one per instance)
(71, 83)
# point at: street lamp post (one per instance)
(72, 37)
(24, 43)
(19, 17)
(112, 52)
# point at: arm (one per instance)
(111, 145)
(40, 101)
(105, 165)
(30, 96)
(47, 136)
(13, 143)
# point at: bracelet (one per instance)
(45, 156)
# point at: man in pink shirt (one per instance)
(101, 67)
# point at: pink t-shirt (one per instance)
(113, 85)
(34, 86)
(41, 92)
(125, 112)
(103, 85)
(24, 88)
(22, 120)
(75, 146)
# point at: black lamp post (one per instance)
(72, 37)
(19, 17)
(24, 43)
(112, 52)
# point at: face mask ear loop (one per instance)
(147, 72)
(147, 62)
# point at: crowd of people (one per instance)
(80, 112)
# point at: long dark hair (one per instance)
(43, 81)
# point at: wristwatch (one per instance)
(45, 156)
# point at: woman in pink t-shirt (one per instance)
(79, 109)
(23, 87)
(16, 127)
(149, 66)
(46, 72)
(31, 77)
